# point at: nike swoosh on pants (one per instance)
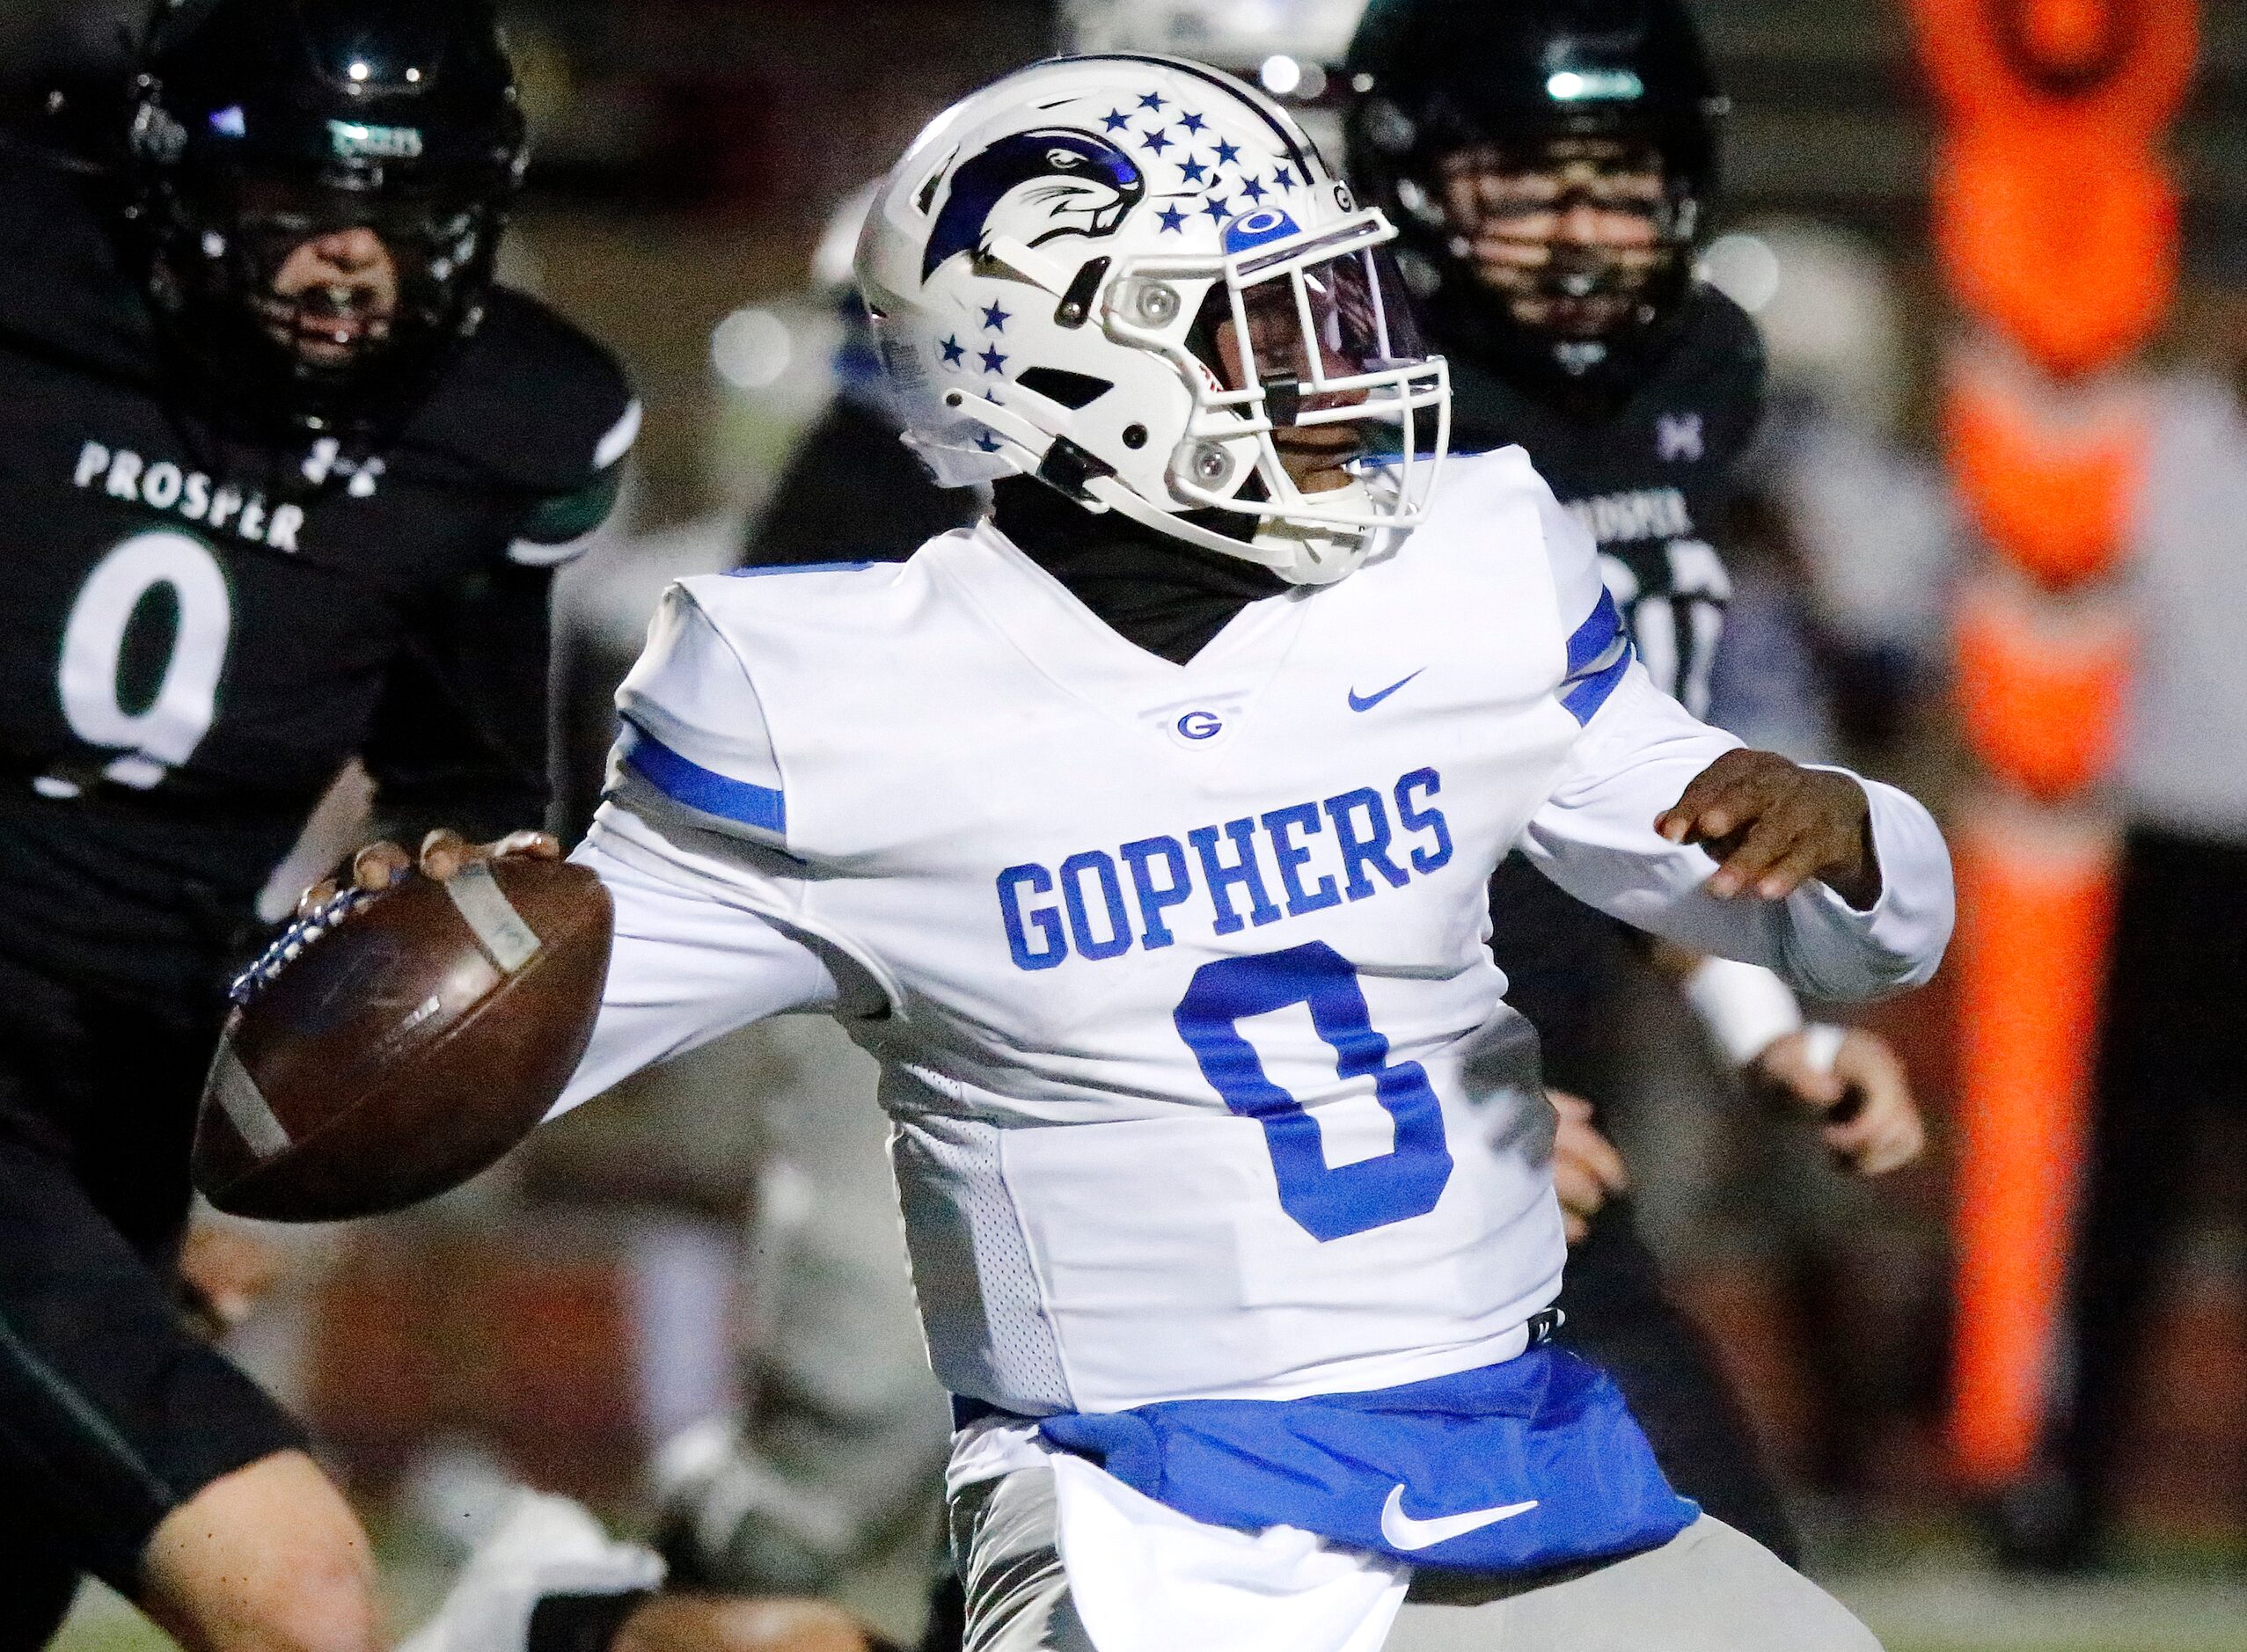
(1402, 1532)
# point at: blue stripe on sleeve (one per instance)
(795, 567)
(1584, 697)
(685, 781)
(1593, 636)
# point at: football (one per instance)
(401, 1042)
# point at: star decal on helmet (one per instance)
(1153, 100)
(1226, 153)
(954, 350)
(1192, 122)
(1116, 121)
(995, 319)
(1155, 140)
(1254, 190)
(1193, 172)
(992, 361)
(1283, 179)
(1033, 186)
(1218, 208)
(1172, 218)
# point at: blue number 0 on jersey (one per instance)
(1329, 1202)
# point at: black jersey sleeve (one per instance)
(459, 737)
(535, 410)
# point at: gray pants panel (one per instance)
(1708, 1589)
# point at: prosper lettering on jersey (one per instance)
(1642, 513)
(192, 495)
(1312, 855)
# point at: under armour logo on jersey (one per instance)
(1677, 437)
(327, 458)
(1031, 187)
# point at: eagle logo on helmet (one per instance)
(1033, 186)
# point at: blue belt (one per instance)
(1529, 1464)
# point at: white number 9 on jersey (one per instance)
(163, 733)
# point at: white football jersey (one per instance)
(1201, 1077)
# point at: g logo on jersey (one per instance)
(1033, 186)
(1200, 725)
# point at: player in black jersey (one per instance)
(284, 477)
(1546, 163)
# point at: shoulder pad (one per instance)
(693, 729)
(530, 401)
(62, 287)
(1721, 370)
(842, 595)
(1595, 648)
(1477, 482)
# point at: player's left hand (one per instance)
(443, 853)
(1773, 825)
(1587, 1170)
(1872, 1123)
(227, 1271)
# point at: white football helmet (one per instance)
(1063, 271)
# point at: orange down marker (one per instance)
(2054, 219)
(2034, 910)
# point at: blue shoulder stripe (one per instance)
(795, 567)
(1598, 654)
(1586, 696)
(1594, 636)
(704, 790)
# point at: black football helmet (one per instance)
(259, 126)
(1523, 81)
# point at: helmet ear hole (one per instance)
(1073, 391)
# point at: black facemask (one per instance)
(1580, 326)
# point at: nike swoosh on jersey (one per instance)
(1400, 1531)
(1366, 702)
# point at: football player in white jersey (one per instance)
(1142, 832)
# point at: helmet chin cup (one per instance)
(1319, 556)
(1124, 275)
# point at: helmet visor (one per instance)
(1323, 330)
(1335, 320)
(1316, 369)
